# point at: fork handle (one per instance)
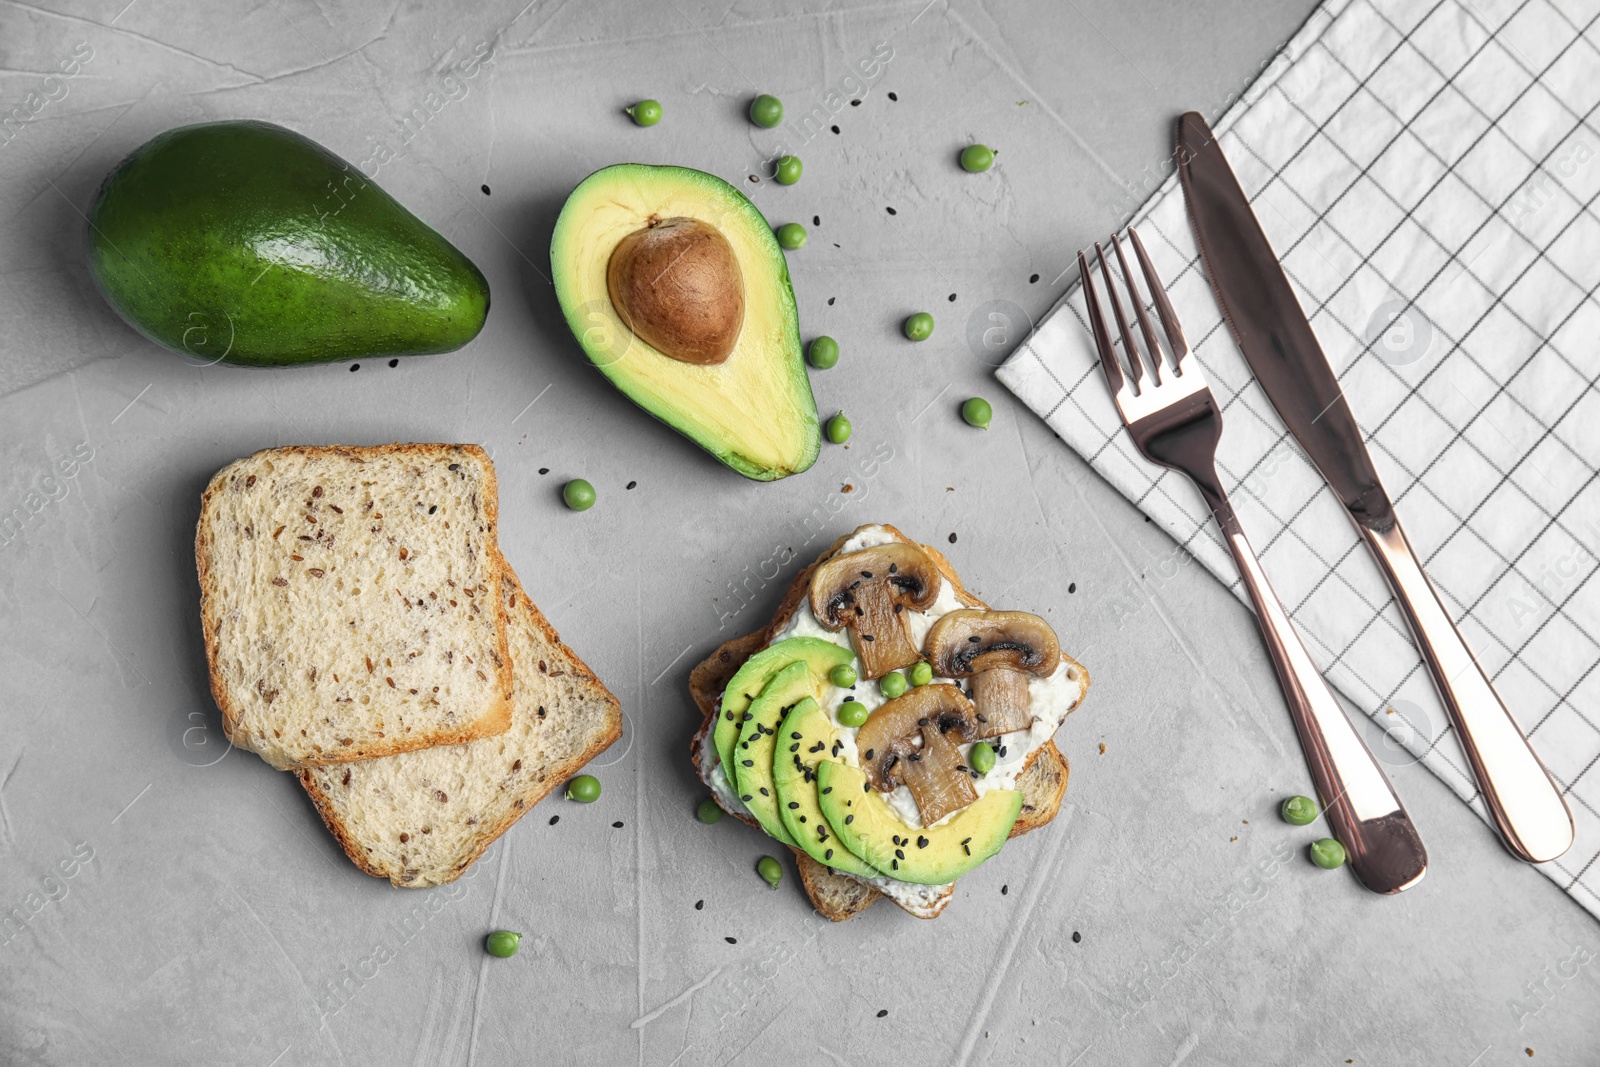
(1367, 817)
(1527, 806)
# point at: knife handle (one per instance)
(1528, 809)
(1385, 850)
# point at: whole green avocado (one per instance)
(243, 242)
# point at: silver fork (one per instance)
(1175, 422)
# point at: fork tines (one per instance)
(1177, 347)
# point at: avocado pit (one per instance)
(677, 285)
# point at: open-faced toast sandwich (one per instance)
(887, 726)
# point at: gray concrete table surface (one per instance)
(1168, 916)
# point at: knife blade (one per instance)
(1271, 330)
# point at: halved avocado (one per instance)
(933, 855)
(758, 738)
(805, 739)
(701, 266)
(750, 679)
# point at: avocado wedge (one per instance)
(752, 756)
(931, 856)
(243, 242)
(750, 679)
(806, 738)
(676, 289)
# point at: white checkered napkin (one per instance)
(1428, 174)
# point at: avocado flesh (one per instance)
(806, 738)
(758, 740)
(971, 836)
(750, 679)
(243, 242)
(754, 411)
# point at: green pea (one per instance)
(919, 327)
(852, 713)
(922, 673)
(839, 429)
(892, 684)
(788, 170)
(1299, 811)
(766, 111)
(708, 812)
(645, 113)
(977, 412)
(977, 158)
(823, 353)
(770, 870)
(843, 676)
(585, 789)
(578, 494)
(1327, 853)
(503, 943)
(981, 758)
(792, 235)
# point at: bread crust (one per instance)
(496, 719)
(836, 896)
(556, 775)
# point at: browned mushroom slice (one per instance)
(935, 775)
(869, 591)
(999, 651)
(911, 741)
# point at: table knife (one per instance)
(1272, 331)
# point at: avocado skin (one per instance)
(243, 242)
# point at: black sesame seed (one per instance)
(848, 819)
(793, 804)
(699, 905)
(1076, 937)
(922, 842)
(433, 509)
(795, 747)
(899, 853)
(485, 190)
(894, 865)
(834, 128)
(975, 639)
(630, 485)
(866, 574)
(885, 1011)
(828, 855)
(1004, 890)
(617, 825)
(855, 103)
(554, 819)
(802, 818)
(952, 539)
(891, 210)
(1072, 588)
(455, 466)
(544, 470)
(731, 940)
(764, 792)
(1032, 279)
(870, 751)
(828, 790)
(868, 637)
(952, 298)
(394, 363)
(748, 762)
(831, 299)
(816, 220)
(747, 798)
(795, 734)
(354, 367)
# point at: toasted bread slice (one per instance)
(422, 818)
(351, 601)
(839, 896)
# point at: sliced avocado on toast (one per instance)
(805, 739)
(934, 855)
(752, 756)
(747, 683)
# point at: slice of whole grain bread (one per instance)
(837, 896)
(351, 601)
(421, 818)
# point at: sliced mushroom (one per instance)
(869, 592)
(912, 740)
(999, 651)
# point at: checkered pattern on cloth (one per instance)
(1427, 172)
